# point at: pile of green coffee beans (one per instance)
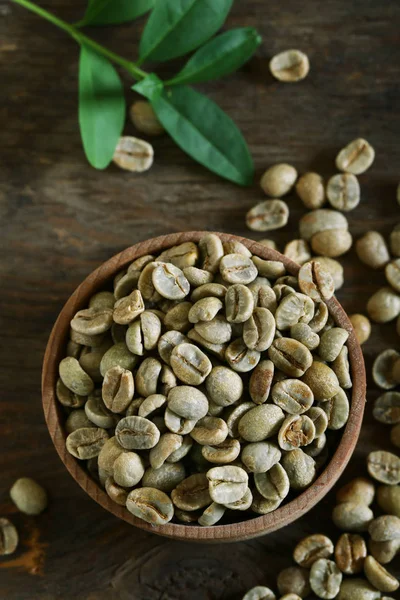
(207, 381)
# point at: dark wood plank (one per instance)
(61, 219)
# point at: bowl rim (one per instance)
(253, 527)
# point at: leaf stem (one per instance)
(81, 38)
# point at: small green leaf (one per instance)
(150, 87)
(205, 132)
(176, 27)
(222, 55)
(101, 107)
(113, 12)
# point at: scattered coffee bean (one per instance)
(357, 589)
(352, 516)
(28, 496)
(144, 118)
(151, 505)
(294, 580)
(259, 592)
(362, 327)
(343, 191)
(133, 154)
(325, 578)
(8, 537)
(356, 157)
(311, 190)
(379, 577)
(312, 548)
(290, 66)
(278, 180)
(372, 250)
(350, 553)
(268, 215)
(384, 467)
(383, 369)
(359, 491)
(388, 497)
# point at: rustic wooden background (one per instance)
(60, 219)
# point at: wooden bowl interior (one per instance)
(242, 530)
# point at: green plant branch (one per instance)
(81, 38)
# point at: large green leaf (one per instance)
(202, 129)
(222, 55)
(176, 27)
(101, 107)
(113, 12)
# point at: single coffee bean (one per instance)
(350, 553)
(356, 157)
(133, 154)
(259, 592)
(192, 493)
(128, 469)
(188, 402)
(388, 497)
(341, 368)
(210, 430)
(212, 515)
(332, 342)
(211, 251)
(384, 467)
(216, 331)
(261, 505)
(76, 420)
(296, 431)
(216, 349)
(147, 377)
(278, 180)
(372, 250)
(92, 321)
(387, 408)
(320, 318)
(293, 308)
(151, 404)
(145, 283)
(117, 355)
(98, 413)
(317, 448)
(343, 191)
(273, 485)
(167, 342)
(260, 381)
(268, 215)
(144, 333)
(244, 503)
(126, 285)
(312, 548)
(165, 478)
(127, 309)
(144, 118)
(241, 358)
(337, 410)
(384, 552)
(325, 578)
(383, 369)
(319, 418)
(139, 263)
(74, 377)
(263, 294)
(260, 457)
(221, 453)
(182, 451)
(379, 577)
(86, 442)
(102, 300)
(28, 496)
(300, 468)
(316, 282)
(294, 580)
(197, 277)
(205, 309)
(269, 268)
(109, 452)
(68, 398)
(290, 356)
(392, 272)
(293, 396)
(170, 282)
(311, 190)
(298, 251)
(385, 528)
(190, 364)
(178, 424)
(118, 389)
(181, 256)
(237, 269)
(177, 318)
(234, 415)
(352, 516)
(384, 305)
(331, 242)
(224, 386)
(333, 267)
(8, 537)
(259, 330)
(261, 422)
(151, 505)
(227, 483)
(137, 433)
(322, 380)
(362, 327)
(359, 491)
(303, 333)
(357, 589)
(167, 444)
(290, 66)
(116, 492)
(239, 303)
(208, 290)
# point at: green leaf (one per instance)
(101, 107)
(150, 87)
(222, 55)
(176, 27)
(113, 12)
(205, 132)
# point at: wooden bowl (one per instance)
(243, 530)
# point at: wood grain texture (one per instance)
(242, 530)
(61, 220)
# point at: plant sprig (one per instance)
(198, 125)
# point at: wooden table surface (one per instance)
(60, 219)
